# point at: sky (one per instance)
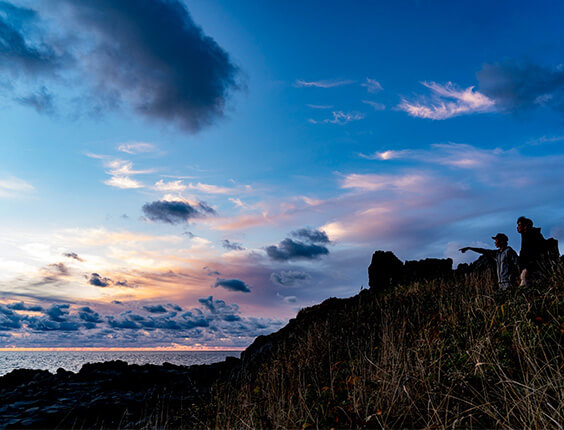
(190, 174)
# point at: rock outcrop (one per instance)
(386, 270)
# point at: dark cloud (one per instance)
(117, 302)
(310, 235)
(73, 255)
(175, 307)
(147, 54)
(232, 285)
(155, 309)
(232, 245)
(290, 249)
(45, 324)
(40, 100)
(17, 55)
(20, 306)
(99, 281)
(58, 269)
(289, 278)
(520, 86)
(53, 273)
(9, 320)
(175, 212)
(122, 284)
(87, 314)
(58, 313)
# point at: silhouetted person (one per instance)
(532, 250)
(506, 260)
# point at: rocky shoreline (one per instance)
(112, 394)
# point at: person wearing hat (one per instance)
(506, 260)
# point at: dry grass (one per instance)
(445, 354)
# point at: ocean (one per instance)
(73, 360)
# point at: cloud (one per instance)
(14, 187)
(451, 154)
(320, 106)
(87, 314)
(155, 309)
(520, 86)
(171, 186)
(461, 102)
(234, 246)
(21, 306)
(9, 320)
(120, 172)
(118, 50)
(58, 312)
(375, 182)
(99, 281)
(289, 278)
(232, 285)
(310, 235)
(290, 249)
(41, 100)
(329, 83)
(53, 273)
(372, 86)
(175, 212)
(73, 255)
(124, 183)
(375, 106)
(18, 55)
(340, 117)
(210, 189)
(136, 147)
(385, 155)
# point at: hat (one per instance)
(501, 237)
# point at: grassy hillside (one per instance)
(446, 353)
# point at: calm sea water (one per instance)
(73, 360)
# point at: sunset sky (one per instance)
(192, 173)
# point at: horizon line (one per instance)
(122, 349)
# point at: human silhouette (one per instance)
(506, 260)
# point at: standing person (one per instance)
(505, 258)
(532, 248)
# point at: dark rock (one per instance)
(385, 270)
(427, 269)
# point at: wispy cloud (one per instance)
(372, 85)
(375, 106)
(320, 106)
(340, 117)
(447, 101)
(136, 147)
(120, 172)
(171, 186)
(447, 154)
(386, 155)
(14, 187)
(329, 83)
(210, 189)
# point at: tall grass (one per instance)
(442, 354)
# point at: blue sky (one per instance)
(190, 174)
